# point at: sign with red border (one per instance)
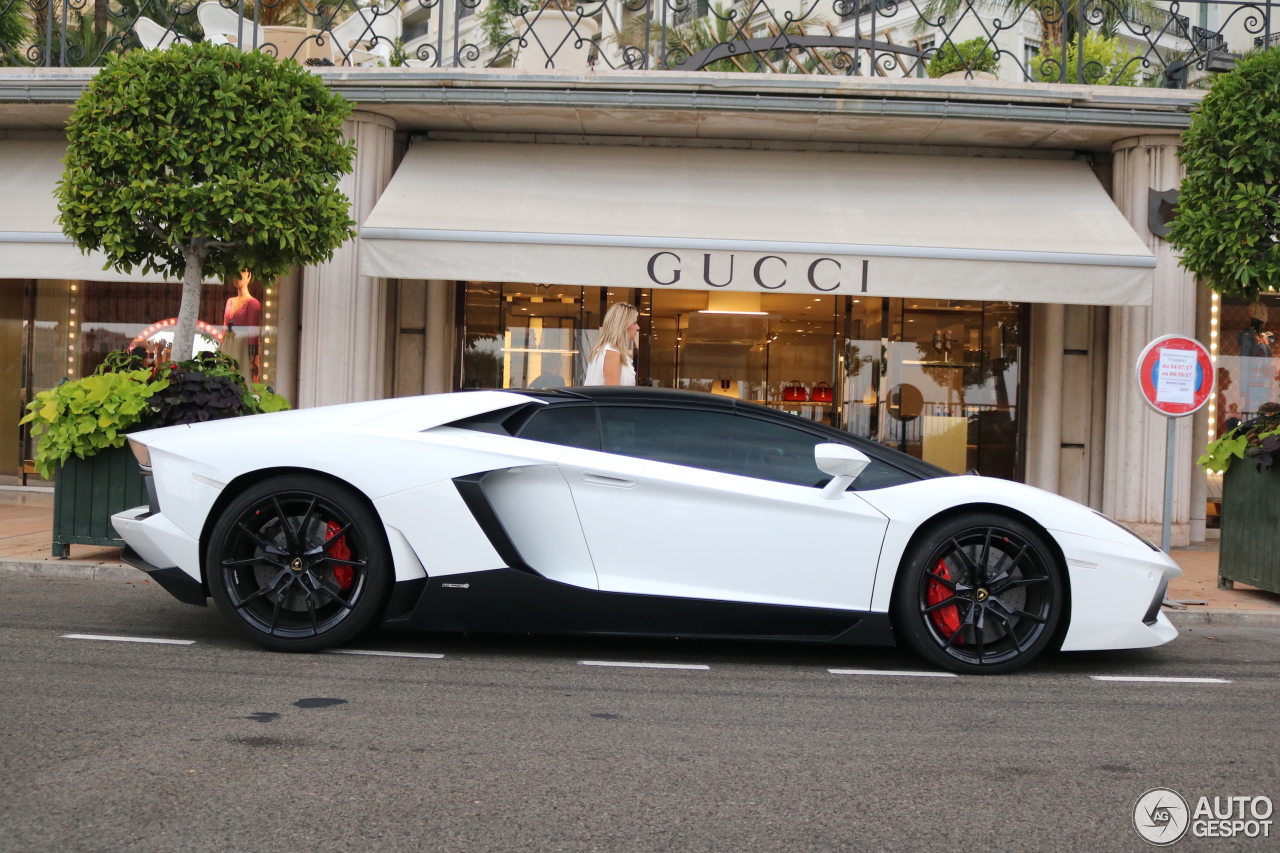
(1175, 375)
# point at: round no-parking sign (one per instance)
(1175, 375)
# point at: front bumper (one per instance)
(158, 547)
(173, 580)
(1115, 594)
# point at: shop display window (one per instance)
(1242, 338)
(938, 379)
(531, 335)
(948, 385)
(63, 330)
(1242, 341)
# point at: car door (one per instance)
(705, 504)
(533, 502)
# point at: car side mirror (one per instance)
(843, 463)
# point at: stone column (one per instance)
(343, 344)
(1044, 429)
(439, 363)
(1133, 477)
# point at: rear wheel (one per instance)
(299, 563)
(980, 594)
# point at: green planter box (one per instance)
(1250, 549)
(87, 492)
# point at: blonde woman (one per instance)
(611, 357)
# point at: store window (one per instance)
(1242, 341)
(947, 387)
(938, 379)
(531, 335)
(53, 330)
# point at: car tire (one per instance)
(979, 594)
(299, 563)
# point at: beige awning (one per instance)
(32, 244)
(755, 220)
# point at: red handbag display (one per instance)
(823, 393)
(795, 392)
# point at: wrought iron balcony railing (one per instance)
(1104, 42)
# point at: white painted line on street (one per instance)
(128, 639)
(903, 672)
(1161, 678)
(431, 655)
(644, 665)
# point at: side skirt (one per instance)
(513, 601)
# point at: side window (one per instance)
(716, 441)
(572, 426)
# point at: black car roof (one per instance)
(635, 394)
(700, 400)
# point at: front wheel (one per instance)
(980, 594)
(299, 563)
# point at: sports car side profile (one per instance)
(625, 511)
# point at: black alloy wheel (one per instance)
(299, 563)
(981, 594)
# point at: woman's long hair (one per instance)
(613, 331)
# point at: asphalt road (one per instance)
(510, 744)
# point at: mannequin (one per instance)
(245, 312)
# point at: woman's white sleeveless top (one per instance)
(595, 370)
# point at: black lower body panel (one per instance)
(513, 601)
(175, 581)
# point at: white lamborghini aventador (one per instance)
(625, 511)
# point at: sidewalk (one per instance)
(26, 531)
(26, 524)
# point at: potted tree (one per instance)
(200, 162)
(1226, 228)
(196, 162)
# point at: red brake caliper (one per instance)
(945, 619)
(343, 575)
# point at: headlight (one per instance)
(141, 453)
(1144, 540)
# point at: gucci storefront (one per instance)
(889, 295)
(938, 379)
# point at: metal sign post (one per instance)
(1176, 378)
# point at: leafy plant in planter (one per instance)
(192, 397)
(1257, 440)
(973, 55)
(208, 387)
(92, 414)
(89, 415)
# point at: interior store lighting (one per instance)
(1215, 302)
(751, 313)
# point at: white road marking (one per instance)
(128, 639)
(644, 665)
(1161, 678)
(431, 655)
(904, 672)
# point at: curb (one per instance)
(1201, 617)
(77, 569)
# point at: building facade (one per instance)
(962, 269)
